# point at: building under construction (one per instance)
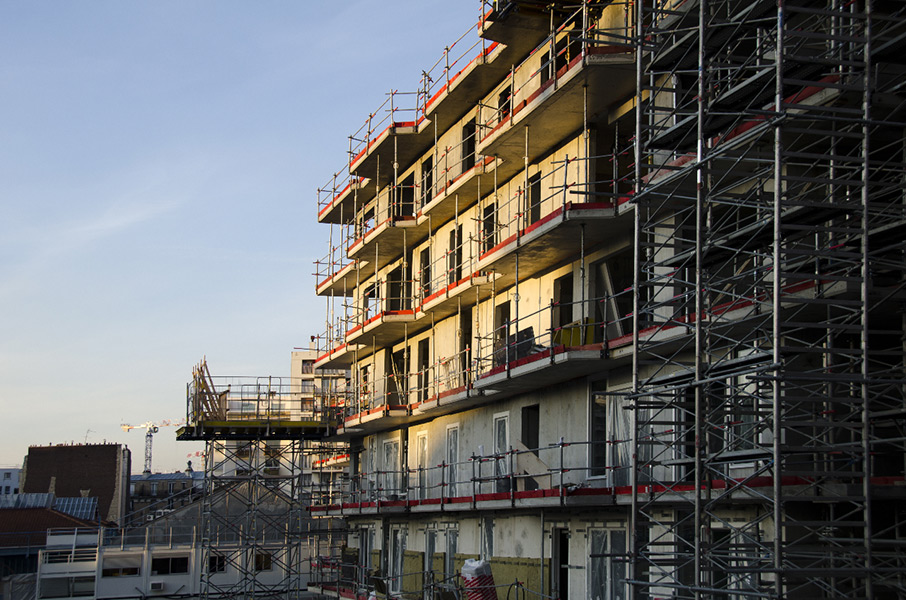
(620, 286)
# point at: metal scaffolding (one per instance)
(769, 263)
(257, 434)
(759, 452)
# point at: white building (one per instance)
(9, 480)
(147, 563)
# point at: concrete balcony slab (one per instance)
(343, 282)
(341, 207)
(557, 108)
(554, 239)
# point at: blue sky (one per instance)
(159, 162)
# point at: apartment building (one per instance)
(620, 288)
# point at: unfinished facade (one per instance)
(621, 289)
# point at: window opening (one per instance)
(427, 191)
(425, 273)
(454, 256)
(468, 145)
(501, 447)
(488, 228)
(533, 199)
(168, 565)
(531, 425)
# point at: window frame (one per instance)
(501, 466)
(171, 568)
(452, 458)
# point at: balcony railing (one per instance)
(537, 334)
(543, 335)
(399, 109)
(553, 193)
(258, 399)
(455, 59)
(574, 39)
(407, 389)
(514, 473)
(334, 261)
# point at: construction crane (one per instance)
(151, 428)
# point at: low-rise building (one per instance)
(153, 495)
(174, 556)
(9, 480)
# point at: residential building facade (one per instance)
(620, 289)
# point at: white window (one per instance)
(610, 450)
(606, 564)
(121, 566)
(366, 543)
(371, 469)
(450, 553)
(741, 562)
(397, 550)
(421, 459)
(430, 550)
(501, 449)
(263, 561)
(487, 533)
(391, 468)
(452, 458)
(66, 587)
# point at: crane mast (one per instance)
(151, 428)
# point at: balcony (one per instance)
(513, 352)
(557, 343)
(450, 281)
(338, 198)
(385, 227)
(512, 23)
(564, 474)
(337, 354)
(459, 187)
(387, 138)
(529, 232)
(335, 462)
(556, 475)
(336, 276)
(578, 76)
(383, 314)
(249, 407)
(468, 69)
(376, 405)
